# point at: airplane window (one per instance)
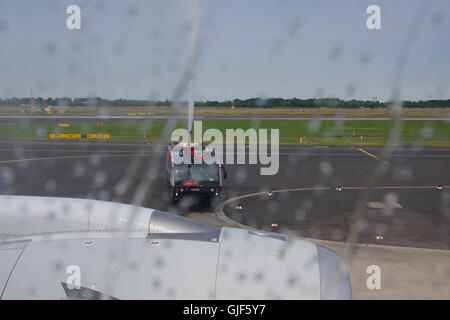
(332, 119)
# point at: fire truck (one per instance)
(196, 178)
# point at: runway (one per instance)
(305, 201)
(86, 118)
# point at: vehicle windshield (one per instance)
(197, 172)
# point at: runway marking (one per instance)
(149, 152)
(280, 153)
(146, 148)
(392, 187)
(370, 155)
(356, 154)
(382, 205)
(130, 154)
(228, 201)
(221, 215)
(73, 150)
(71, 157)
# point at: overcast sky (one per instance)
(265, 48)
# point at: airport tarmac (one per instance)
(403, 204)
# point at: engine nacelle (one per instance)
(88, 249)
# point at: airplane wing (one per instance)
(63, 248)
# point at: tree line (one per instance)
(238, 103)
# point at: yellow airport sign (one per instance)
(63, 125)
(98, 136)
(64, 136)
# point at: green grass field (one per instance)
(325, 132)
